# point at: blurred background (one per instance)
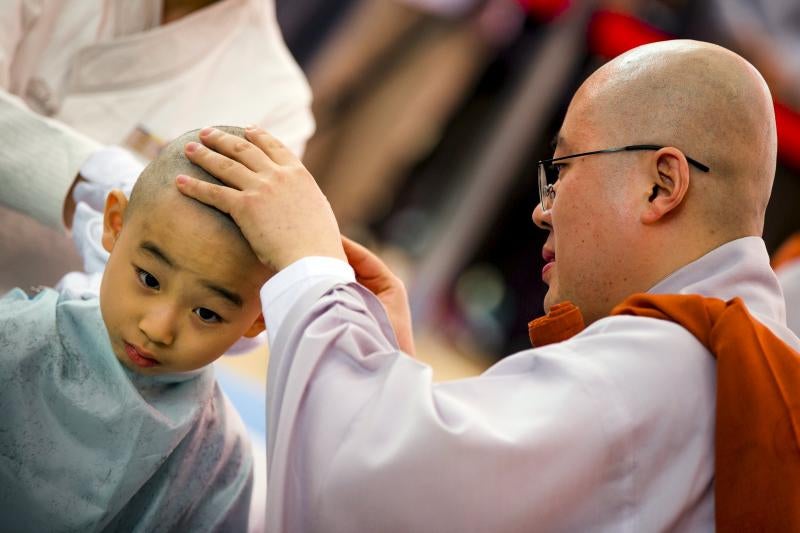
(430, 116)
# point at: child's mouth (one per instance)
(138, 358)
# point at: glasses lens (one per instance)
(546, 180)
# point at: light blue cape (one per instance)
(88, 445)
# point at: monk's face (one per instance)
(179, 288)
(592, 223)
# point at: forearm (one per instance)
(39, 161)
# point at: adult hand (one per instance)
(373, 274)
(270, 195)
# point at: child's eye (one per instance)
(147, 279)
(557, 168)
(207, 315)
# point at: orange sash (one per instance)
(757, 436)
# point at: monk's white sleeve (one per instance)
(279, 293)
(39, 161)
(611, 431)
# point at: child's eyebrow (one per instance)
(231, 296)
(156, 252)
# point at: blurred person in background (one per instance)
(77, 75)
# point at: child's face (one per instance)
(179, 289)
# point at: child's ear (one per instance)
(116, 203)
(257, 327)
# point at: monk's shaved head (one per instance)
(157, 180)
(620, 222)
(703, 99)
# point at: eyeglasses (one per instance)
(548, 172)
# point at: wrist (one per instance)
(287, 259)
(68, 213)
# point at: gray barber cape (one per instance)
(88, 445)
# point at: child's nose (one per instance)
(159, 323)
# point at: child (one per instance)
(112, 419)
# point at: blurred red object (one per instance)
(611, 33)
(545, 10)
(788, 122)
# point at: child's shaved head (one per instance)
(182, 283)
(159, 176)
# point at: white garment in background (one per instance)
(789, 277)
(612, 430)
(105, 68)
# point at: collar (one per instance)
(737, 268)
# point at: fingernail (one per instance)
(206, 131)
(182, 180)
(192, 147)
(251, 127)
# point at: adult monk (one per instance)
(611, 430)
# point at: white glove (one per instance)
(109, 168)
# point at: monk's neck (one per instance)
(656, 258)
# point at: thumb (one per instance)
(365, 263)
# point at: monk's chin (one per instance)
(550, 299)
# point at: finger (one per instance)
(271, 146)
(217, 196)
(361, 259)
(236, 148)
(223, 168)
(369, 268)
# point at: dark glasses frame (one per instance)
(547, 172)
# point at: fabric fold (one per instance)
(757, 437)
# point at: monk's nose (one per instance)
(542, 219)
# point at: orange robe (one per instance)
(757, 436)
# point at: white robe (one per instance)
(104, 69)
(611, 430)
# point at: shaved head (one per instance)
(705, 100)
(620, 222)
(157, 180)
(181, 282)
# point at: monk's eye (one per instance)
(207, 315)
(147, 279)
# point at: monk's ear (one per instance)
(257, 327)
(113, 215)
(668, 184)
